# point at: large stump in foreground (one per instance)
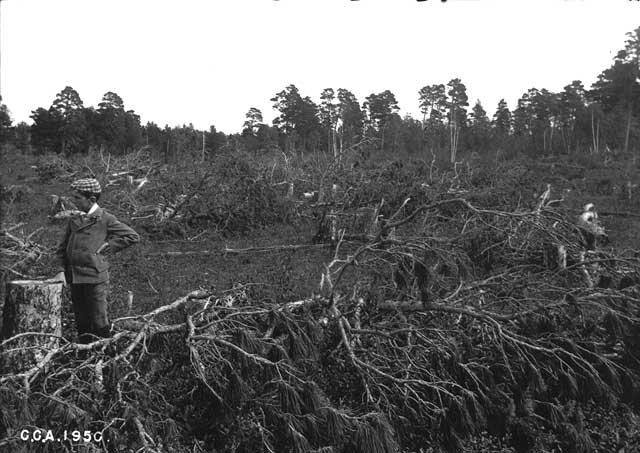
(30, 306)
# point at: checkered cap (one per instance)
(87, 185)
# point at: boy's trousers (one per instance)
(90, 309)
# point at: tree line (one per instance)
(577, 119)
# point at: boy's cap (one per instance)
(87, 185)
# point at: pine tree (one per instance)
(618, 91)
(457, 102)
(480, 130)
(502, 119)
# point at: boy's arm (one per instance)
(61, 251)
(119, 236)
(60, 260)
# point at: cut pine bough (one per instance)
(455, 330)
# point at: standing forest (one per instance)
(344, 279)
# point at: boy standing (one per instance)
(80, 257)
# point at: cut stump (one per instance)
(35, 307)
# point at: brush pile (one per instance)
(19, 250)
(448, 325)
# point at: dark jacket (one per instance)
(76, 255)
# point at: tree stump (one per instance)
(30, 306)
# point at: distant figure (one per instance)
(312, 196)
(89, 237)
(593, 233)
(589, 213)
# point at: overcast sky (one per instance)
(207, 62)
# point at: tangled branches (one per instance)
(17, 250)
(231, 373)
(446, 321)
(488, 329)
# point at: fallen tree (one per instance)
(445, 322)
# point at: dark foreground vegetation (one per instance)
(374, 284)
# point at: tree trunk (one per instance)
(395, 142)
(564, 141)
(203, 143)
(628, 131)
(30, 306)
(454, 135)
(594, 133)
(598, 136)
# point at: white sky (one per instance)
(207, 62)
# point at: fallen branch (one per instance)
(619, 214)
(11, 228)
(226, 250)
(145, 438)
(476, 324)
